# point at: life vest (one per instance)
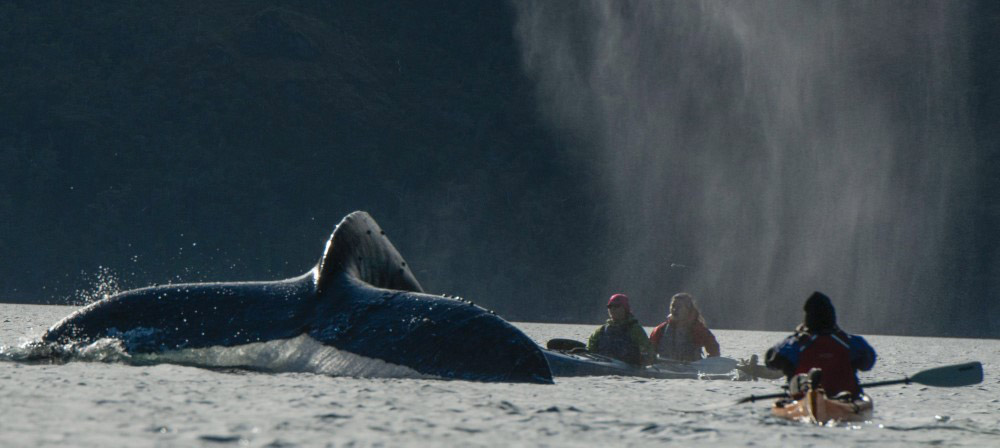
(678, 344)
(616, 341)
(830, 352)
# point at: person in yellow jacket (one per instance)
(622, 337)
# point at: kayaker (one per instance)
(621, 337)
(819, 343)
(684, 335)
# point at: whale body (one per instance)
(361, 298)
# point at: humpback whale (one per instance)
(361, 298)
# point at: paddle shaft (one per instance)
(947, 376)
(754, 398)
(965, 374)
(906, 380)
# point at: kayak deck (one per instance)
(567, 357)
(583, 363)
(816, 408)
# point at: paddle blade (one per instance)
(951, 376)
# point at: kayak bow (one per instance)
(815, 407)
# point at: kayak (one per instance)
(579, 362)
(816, 408)
(568, 357)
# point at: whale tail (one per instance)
(377, 309)
(359, 248)
(361, 298)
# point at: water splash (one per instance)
(104, 283)
(779, 147)
(35, 352)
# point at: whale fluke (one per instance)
(361, 298)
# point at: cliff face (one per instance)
(223, 140)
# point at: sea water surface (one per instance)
(302, 394)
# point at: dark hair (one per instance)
(820, 315)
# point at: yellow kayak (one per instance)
(816, 408)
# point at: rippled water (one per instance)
(292, 398)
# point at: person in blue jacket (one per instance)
(819, 343)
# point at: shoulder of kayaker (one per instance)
(657, 334)
(862, 354)
(638, 336)
(594, 337)
(784, 356)
(704, 337)
(636, 333)
(787, 347)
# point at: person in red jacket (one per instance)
(684, 334)
(818, 343)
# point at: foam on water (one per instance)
(103, 350)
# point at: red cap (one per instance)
(619, 299)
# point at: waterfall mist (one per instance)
(755, 151)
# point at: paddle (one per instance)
(948, 376)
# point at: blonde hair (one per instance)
(688, 300)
